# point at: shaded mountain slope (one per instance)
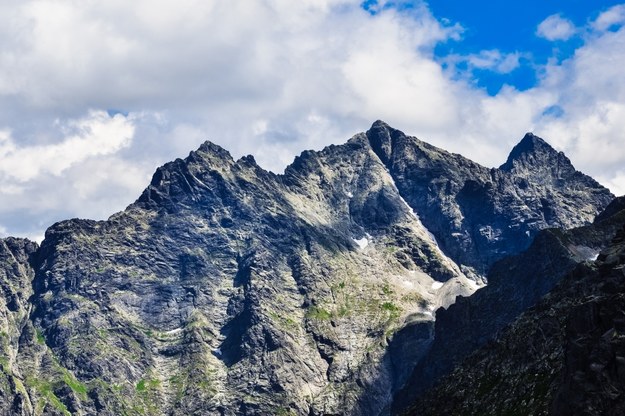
(481, 215)
(564, 356)
(515, 284)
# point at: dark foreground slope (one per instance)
(225, 289)
(515, 284)
(565, 356)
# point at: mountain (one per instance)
(226, 289)
(564, 356)
(515, 284)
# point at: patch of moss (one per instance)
(45, 390)
(389, 306)
(316, 312)
(391, 249)
(386, 289)
(76, 386)
(392, 309)
(41, 340)
(284, 321)
(283, 411)
(140, 386)
(4, 364)
(147, 384)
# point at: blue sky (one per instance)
(511, 27)
(95, 95)
(508, 27)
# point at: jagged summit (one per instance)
(381, 137)
(534, 151)
(226, 289)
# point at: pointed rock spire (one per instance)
(534, 151)
(380, 137)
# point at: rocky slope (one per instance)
(565, 356)
(17, 335)
(226, 289)
(481, 215)
(515, 284)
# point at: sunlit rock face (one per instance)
(227, 289)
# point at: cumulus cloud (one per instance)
(94, 135)
(492, 60)
(614, 16)
(269, 78)
(556, 27)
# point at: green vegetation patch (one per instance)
(45, 390)
(316, 312)
(76, 386)
(41, 340)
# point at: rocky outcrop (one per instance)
(226, 289)
(562, 357)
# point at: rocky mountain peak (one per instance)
(532, 151)
(381, 138)
(226, 289)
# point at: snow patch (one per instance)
(414, 214)
(217, 351)
(473, 284)
(349, 194)
(437, 285)
(585, 253)
(361, 242)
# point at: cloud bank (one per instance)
(95, 95)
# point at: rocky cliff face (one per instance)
(565, 356)
(226, 289)
(515, 284)
(17, 334)
(481, 215)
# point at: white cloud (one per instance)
(97, 134)
(269, 78)
(495, 60)
(614, 16)
(556, 27)
(616, 182)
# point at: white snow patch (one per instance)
(414, 214)
(349, 194)
(217, 351)
(473, 284)
(437, 285)
(585, 253)
(362, 242)
(407, 283)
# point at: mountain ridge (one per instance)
(247, 292)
